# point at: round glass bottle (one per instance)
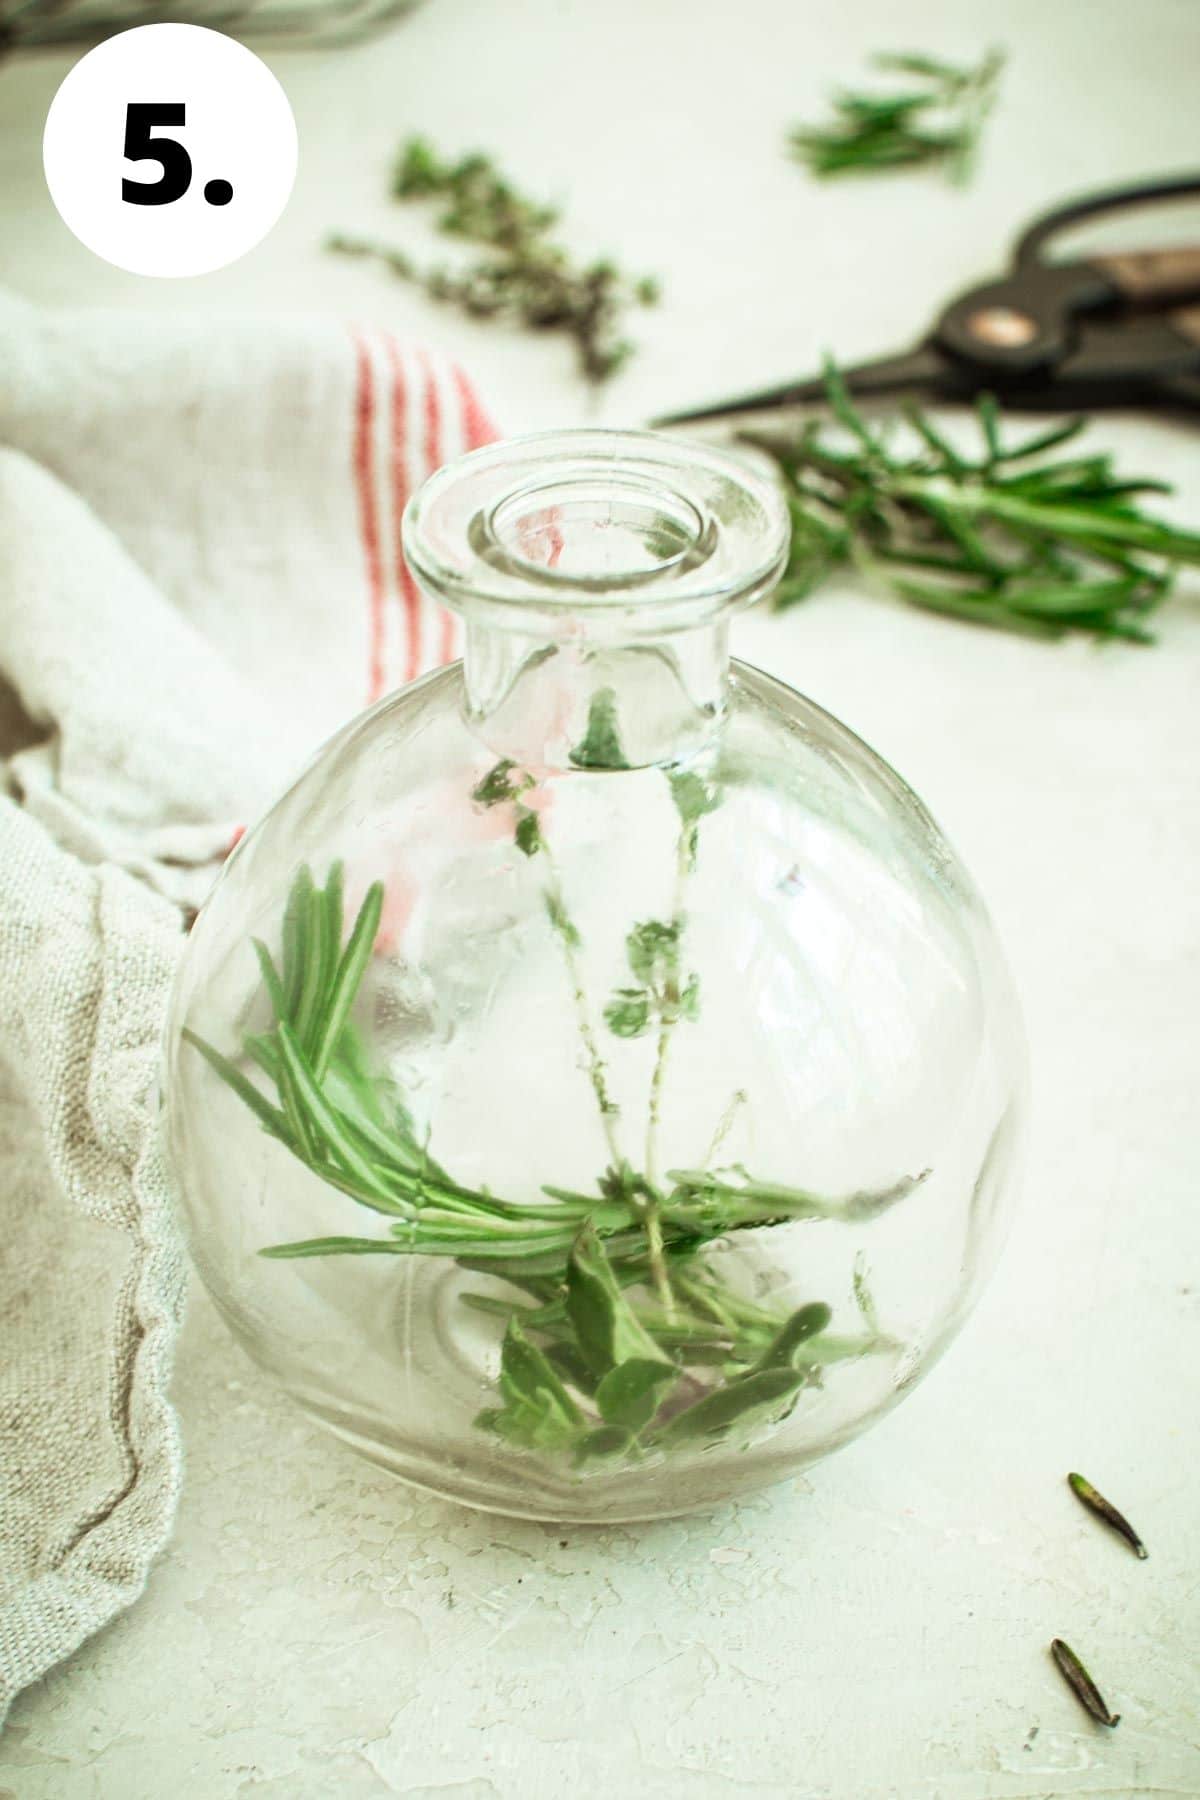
(593, 1086)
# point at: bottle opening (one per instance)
(598, 535)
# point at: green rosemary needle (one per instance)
(1011, 536)
(1104, 1509)
(1081, 1684)
(935, 118)
(523, 276)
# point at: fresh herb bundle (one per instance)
(936, 118)
(1010, 537)
(525, 276)
(619, 1338)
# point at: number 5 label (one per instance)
(170, 150)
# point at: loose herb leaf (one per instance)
(1081, 1683)
(524, 276)
(1004, 538)
(1104, 1509)
(936, 118)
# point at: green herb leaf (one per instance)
(562, 921)
(503, 781)
(632, 1393)
(693, 795)
(600, 745)
(607, 1329)
(1104, 1509)
(1081, 1684)
(333, 1010)
(538, 1412)
(529, 832)
(628, 1012)
(749, 1401)
(653, 949)
(606, 1442)
(805, 1323)
(270, 1117)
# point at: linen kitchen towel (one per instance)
(200, 578)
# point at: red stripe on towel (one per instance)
(401, 488)
(478, 428)
(433, 460)
(368, 510)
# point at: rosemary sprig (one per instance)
(1104, 1509)
(935, 118)
(623, 1341)
(1011, 536)
(524, 277)
(1081, 1684)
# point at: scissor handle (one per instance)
(1033, 240)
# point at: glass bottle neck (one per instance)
(571, 703)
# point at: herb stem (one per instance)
(568, 937)
(670, 1014)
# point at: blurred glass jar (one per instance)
(594, 1085)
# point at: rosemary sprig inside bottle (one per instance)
(936, 117)
(524, 277)
(619, 1337)
(1009, 536)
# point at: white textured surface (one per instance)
(880, 1630)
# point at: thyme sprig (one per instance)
(1010, 536)
(525, 276)
(619, 1338)
(936, 118)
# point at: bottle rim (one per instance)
(636, 529)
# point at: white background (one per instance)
(879, 1629)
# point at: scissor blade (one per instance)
(923, 370)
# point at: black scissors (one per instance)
(1111, 330)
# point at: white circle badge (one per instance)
(170, 150)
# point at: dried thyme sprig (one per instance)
(525, 277)
(1104, 1509)
(1081, 1684)
(1009, 537)
(936, 118)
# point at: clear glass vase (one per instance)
(593, 1087)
